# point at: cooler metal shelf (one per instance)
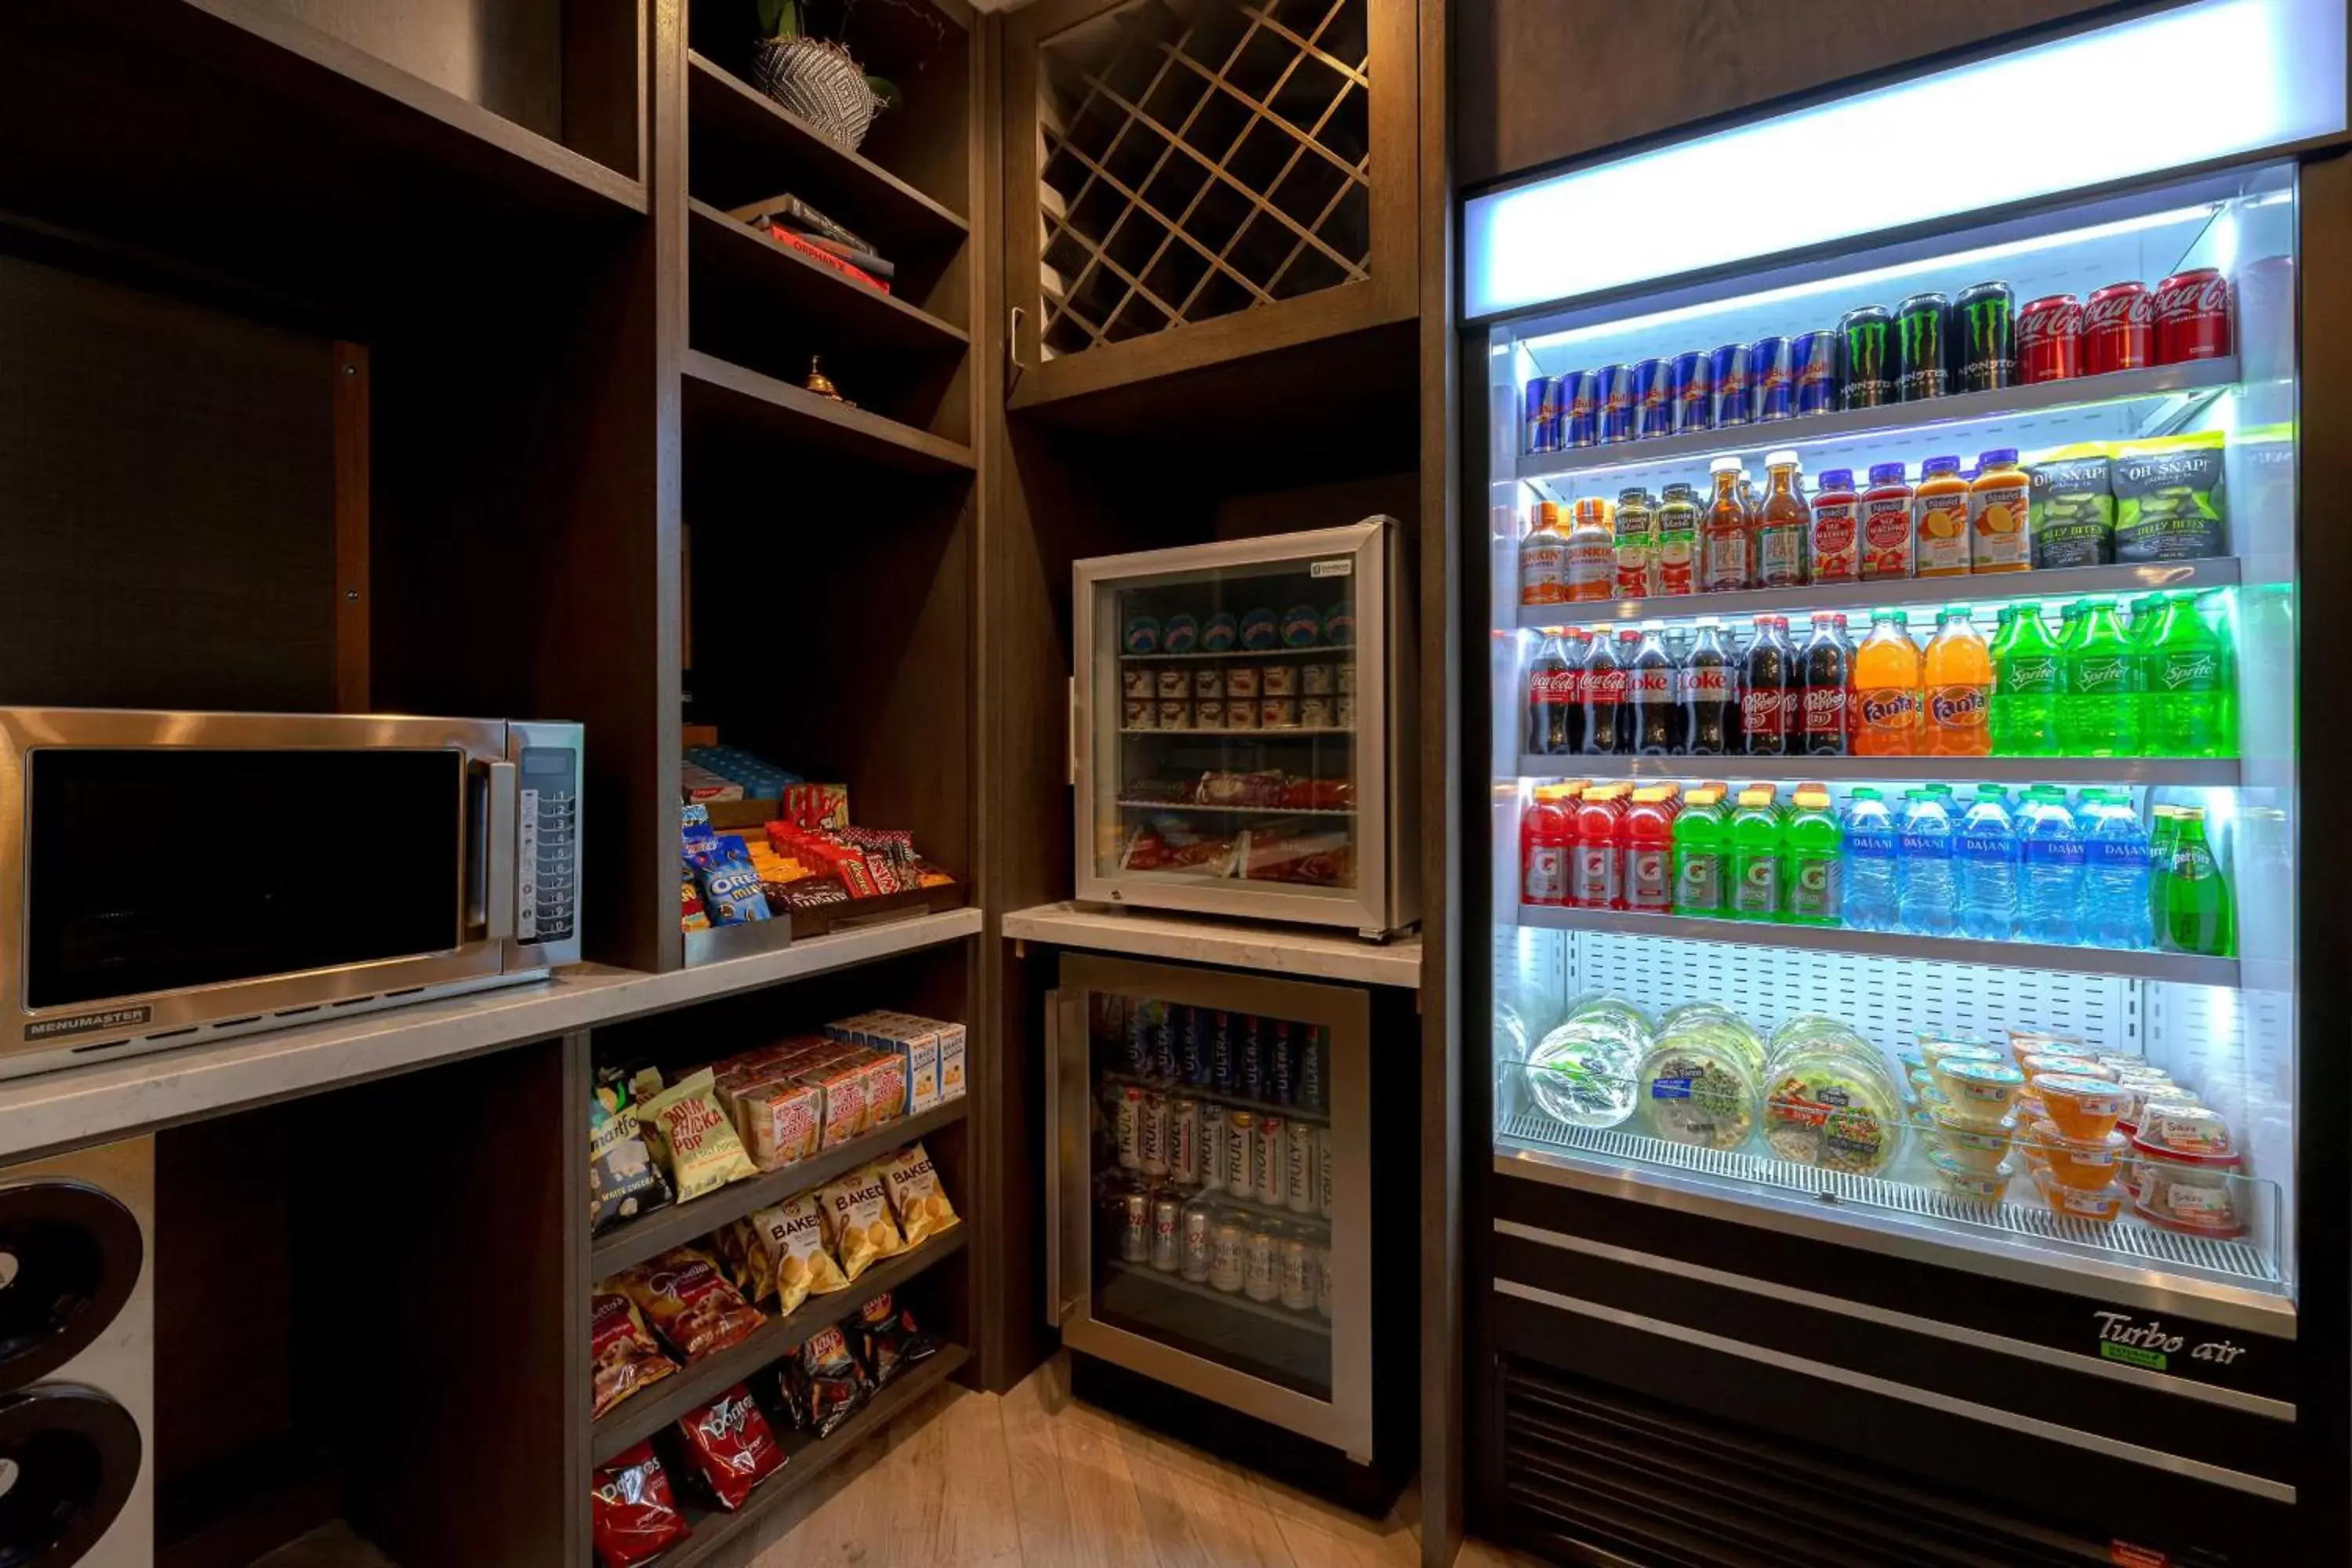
(2212, 773)
(1306, 1320)
(2238, 1262)
(2188, 969)
(2056, 583)
(1184, 805)
(1339, 651)
(2212, 375)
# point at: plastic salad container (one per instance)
(1582, 1073)
(2185, 1172)
(1829, 1106)
(1717, 1027)
(1698, 1092)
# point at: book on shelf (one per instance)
(785, 237)
(795, 214)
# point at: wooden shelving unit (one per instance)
(749, 277)
(730, 404)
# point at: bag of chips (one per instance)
(888, 1342)
(826, 1382)
(689, 1302)
(780, 1253)
(621, 1352)
(622, 1181)
(633, 1515)
(694, 1133)
(916, 1195)
(2170, 503)
(730, 1447)
(857, 1220)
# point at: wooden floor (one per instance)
(1035, 1480)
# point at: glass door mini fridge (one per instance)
(1234, 718)
(1210, 1196)
(1908, 1090)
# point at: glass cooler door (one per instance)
(1210, 1195)
(2020, 985)
(1231, 713)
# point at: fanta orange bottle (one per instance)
(1959, 688)
(1886, 690)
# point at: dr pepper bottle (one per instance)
(2118, 329)
(2192, 316)
(2050, 338)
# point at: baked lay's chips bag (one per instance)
(858, 1221)
(916, 1195)
(780, 1253)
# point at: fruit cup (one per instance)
(2087, 1167)
(2100, 1207)
(1974, 1149)
(1972, 1187)
(2083, 1108)
(1981, 1092)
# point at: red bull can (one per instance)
(1579, 397)
(1542, 407)
(1733, 386)
(1773, 380)
(1653, 411)
(1616, 392)
(1813, 356)
(1690, 391)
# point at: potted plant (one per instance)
(817, 79)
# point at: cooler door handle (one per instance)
(1057, 1306)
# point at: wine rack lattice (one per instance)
(1200, 157)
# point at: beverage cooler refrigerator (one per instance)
(1915, 1135)
(1231, 722)
(1212, 1201)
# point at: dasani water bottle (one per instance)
(1870, 862)
(1923, 876)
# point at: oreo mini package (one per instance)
(731, 883)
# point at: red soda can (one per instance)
(2118, 329)
(2049, 340)
(2192, 316)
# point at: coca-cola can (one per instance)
(2192, 316)
(2050, 338)
(2118, 329)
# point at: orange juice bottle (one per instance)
(1886, 690)
(1543, 558)
(1959, 689)
(1941, 505)
(1997, 507)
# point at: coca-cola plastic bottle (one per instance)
(1710, 687)
(1555, 703)
(1765, 685)
(1821, 712)
(1661, 728)
(1606, 680)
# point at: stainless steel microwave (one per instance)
(171, 877)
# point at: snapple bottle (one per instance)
(1837, 528)
(1726, 538)
(1886, 524)
(1941, 503)
(1783, 526)
(1675, 570)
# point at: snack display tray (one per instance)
(1235, 1301)
(679, 1224)
(2185, 968)
(689, 1388)
(808, 1458)
(1238, 810)
(2239, 1262)
(1343, 649)
(1957, 408)
(2050, 583)
(881, 908)
(2222, 772)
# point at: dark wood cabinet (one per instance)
(1192, 182)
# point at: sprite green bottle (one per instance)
(2099, 689)
(2198, 916)
(2192, 686)
(2023, 715)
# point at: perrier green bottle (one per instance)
(2197, 915)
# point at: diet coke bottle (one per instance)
(1658, 720)
(1710, 687)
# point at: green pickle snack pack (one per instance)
(2169, 500)
(2071, 508)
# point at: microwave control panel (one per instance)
(547, 821)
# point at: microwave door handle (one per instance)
(495, 853)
